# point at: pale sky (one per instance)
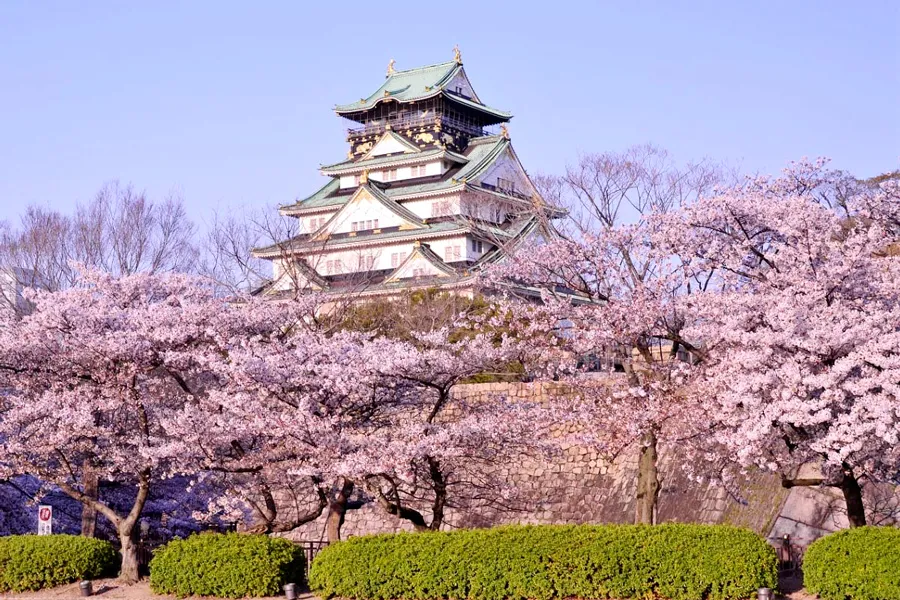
(230, 103)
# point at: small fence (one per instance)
(310, 549)
(790, 555)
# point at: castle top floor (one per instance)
(433, 106)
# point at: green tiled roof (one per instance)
(418, 84)
(480, 154)
(323, 197)
(383, 161)
(303, 242)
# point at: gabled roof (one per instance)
(416, 84)
(371, 191)
(305, 242)
(479, 155)
(424, 252)
(388, 136)
(349, 167)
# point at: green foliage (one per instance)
(232, 565)
(403, 316)
(854, 564)
(33, 562)
(673, 561)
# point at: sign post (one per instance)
(45, 519)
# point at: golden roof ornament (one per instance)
(364, 176)
(504, 131)
(457, 55)
(417, 244)
(390, 69)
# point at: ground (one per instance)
(108, 589)
(111, 589)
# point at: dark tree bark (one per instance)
(850, 488)
(337, 510)
(126, 527)
(648, 481)
(88, 513)
(439, 485)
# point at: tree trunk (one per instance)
(337, 508)
(88, 512)
(648, 481)
(856, 511)
(130, 571)
(126, 527)
(439, 485)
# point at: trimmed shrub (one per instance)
(231, 565)
(34, 562)
(544, 562)
(855, 564)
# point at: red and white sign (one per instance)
(45, 519)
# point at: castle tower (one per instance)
(426, 196)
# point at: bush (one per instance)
(674, 561)
(34, 562)
(231, 565)
(859, 564)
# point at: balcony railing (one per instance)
(410, 121)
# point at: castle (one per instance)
(427, 195)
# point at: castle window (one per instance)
(395, 259)
(366, 261)
(419, 272)
(506, 185)
(418, 170)
(452, 253)
(354, 226)
(390, 175)
(375, 224)
(477, 246)
(440, 208)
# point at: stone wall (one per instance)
(578, 487)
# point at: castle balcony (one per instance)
(409, 121)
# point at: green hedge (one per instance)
(854, 564)
(231, 565)
(34, 562)
(674, 561)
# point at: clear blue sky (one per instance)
(230, 102)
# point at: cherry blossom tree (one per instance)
(100, 377)
(427, 451)
(801, 324)
(355, 414)
(621, 302)
(289, 413)
(622, 296)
